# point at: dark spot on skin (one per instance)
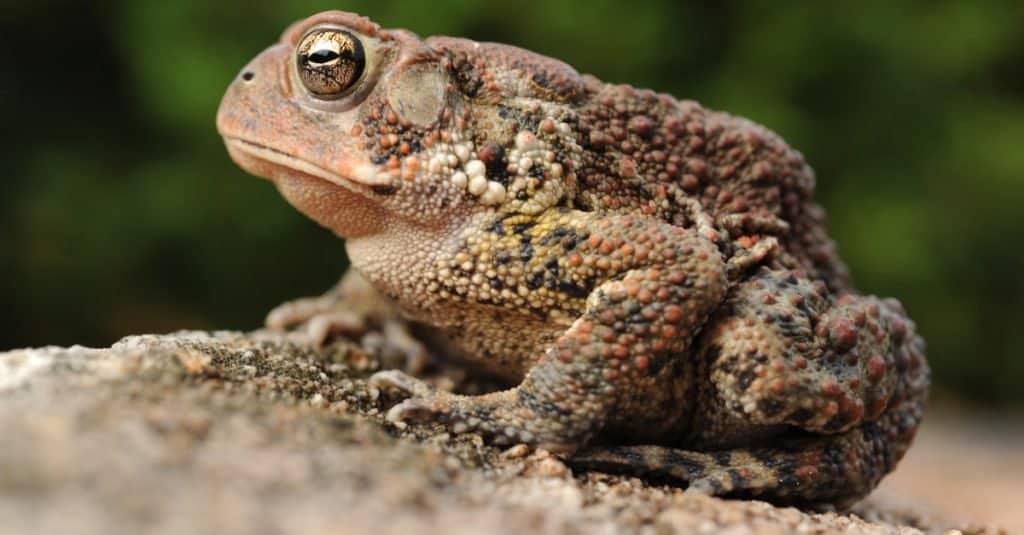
(576, 290)
(520, 228)
(769, 407)
(555, 235)
(834, 454)
(502, 257)
(786, 477)
(836, 423)
(872, 431)
(415, 145)
(564, 236)
(493, 156)
(547, 409)
(498, 226)
(801, 415)
(536, 171)
(500, 175)
(746, 378)
(380, 159)
(466, 78)
(384, 190)
(541, 79)
(694, 468)
(711, 353)
(656, 363)
(525, 251)
(496, 283)
(723, 458)
(524, 120)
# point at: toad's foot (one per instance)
(498, 416)
(353, 309)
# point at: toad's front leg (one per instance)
(655, 286)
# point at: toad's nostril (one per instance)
(248, 76)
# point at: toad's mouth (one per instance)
(270, 163)
(332, 199)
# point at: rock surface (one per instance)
(258, 433)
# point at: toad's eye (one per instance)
(330, 62)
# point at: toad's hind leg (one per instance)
(823, 469)
(802, 398)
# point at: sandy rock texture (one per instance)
(258, 433)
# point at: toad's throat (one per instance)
(271, 163)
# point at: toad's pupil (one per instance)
(323, 56)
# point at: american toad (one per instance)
(650, 273)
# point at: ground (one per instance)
(257, 433)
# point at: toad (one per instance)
(652, 278)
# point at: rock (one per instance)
(258, 433)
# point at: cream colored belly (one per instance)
(491, 339)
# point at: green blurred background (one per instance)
(121, 213)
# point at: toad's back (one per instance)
(652, 154)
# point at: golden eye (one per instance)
(330, 62)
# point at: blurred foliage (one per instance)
(120, 211)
